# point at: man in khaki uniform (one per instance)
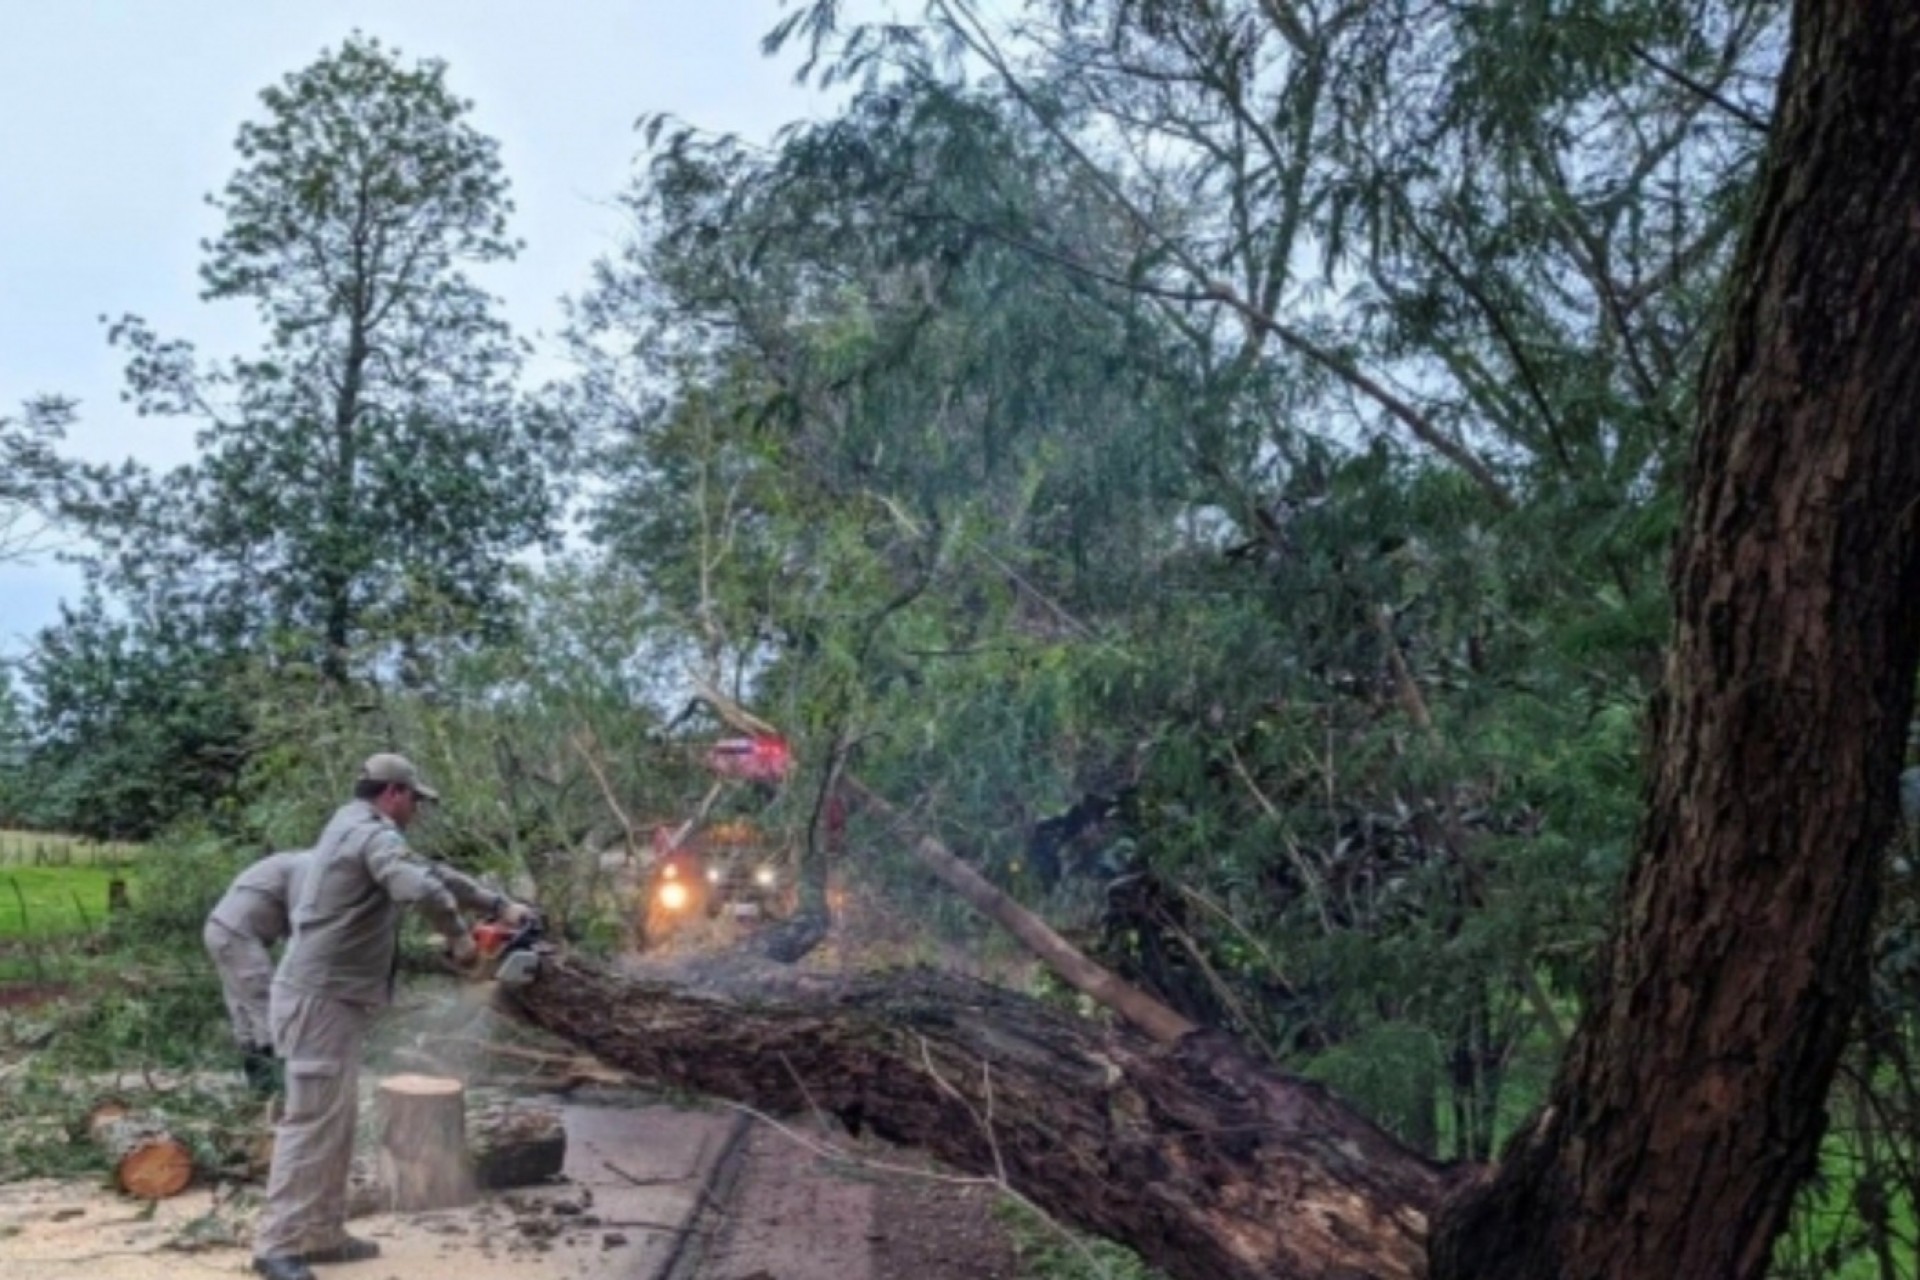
(337, 972)
(240, 935)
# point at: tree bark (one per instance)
(1208, 1164)
(1690, 1104)
(509, 1143)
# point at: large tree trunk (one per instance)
(1691, 1102)
(1211, 1166)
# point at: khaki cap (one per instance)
(390, 768)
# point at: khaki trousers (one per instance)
(320, 1039)
(246, 980)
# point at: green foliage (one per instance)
(1859, 1216)
(166, 1015)
(131, 1009)
(365, 482)
(13, 753)
(953, 481)
(175, 884)
(1856, 1217)
(148, 1021)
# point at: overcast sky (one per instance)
(117, 118)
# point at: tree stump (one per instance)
(423, 1143)
(146, 1160)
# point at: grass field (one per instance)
(53, 885)
(47, 902)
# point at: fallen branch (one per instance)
(1066, 961)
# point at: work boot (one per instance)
(283, 1266)
(261, 1069)
(350, 1249)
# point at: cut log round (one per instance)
(147, 1161)
(423, 1155)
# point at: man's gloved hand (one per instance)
(462, 951)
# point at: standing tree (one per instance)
(1691, 1103)
(368, 477)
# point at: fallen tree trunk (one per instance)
(1208, 1164)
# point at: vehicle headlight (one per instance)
(715, 875)
(764, 877)
(674, 896)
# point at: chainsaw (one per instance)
(510, 954)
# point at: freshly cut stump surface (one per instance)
(147, 1161)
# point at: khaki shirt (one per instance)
(255, 905)
(346, 921)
